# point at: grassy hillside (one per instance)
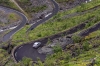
(59, 24)
(77, 54)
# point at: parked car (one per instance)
(36, 44)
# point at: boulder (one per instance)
(45, 50)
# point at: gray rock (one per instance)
(45, 50)
(62, 41)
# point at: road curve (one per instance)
(55, 11)
(22, 51)
(26, 50)
(7, 36)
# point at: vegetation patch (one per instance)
(83, 7)
(7, 19)
(8, 3)
(78, 54)
(50, 28)
(29, 8)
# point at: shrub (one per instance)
(86, 46)
(57, 49)
(26, 61)
(76, 38)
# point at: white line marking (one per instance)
(20, 47)
(16, 54)
(48, 15)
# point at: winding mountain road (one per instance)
(55, 11)
(27, 50)
(32, 53)
(7, 36)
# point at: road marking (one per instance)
(1, 30)
(20, 47)
(48, 15)
(16, 54)
(13, 27)
(7, 36)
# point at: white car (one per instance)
(36, 44)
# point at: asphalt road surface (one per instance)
(24, 21)
(55, 11)
(27, 50)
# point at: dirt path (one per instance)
(17, 5)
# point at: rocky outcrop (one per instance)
(70, 4)
(7, 21)
(62, 42)
(45, 50)
(49, 8)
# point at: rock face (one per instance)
(49, 5)
(42, 2)
(70, 4)
(46, 50)
(7, 21)
(62, 42)
(63, 6)
(39, 2)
